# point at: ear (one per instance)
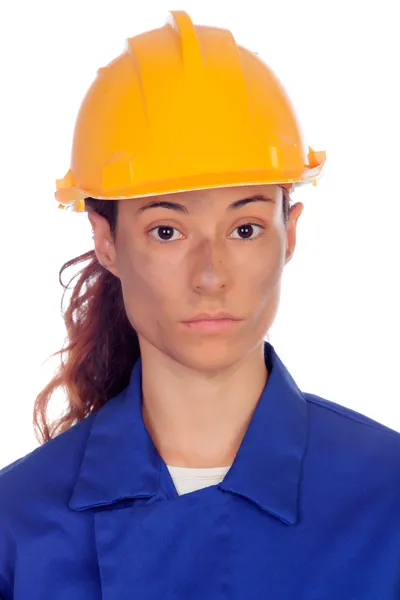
(104, 246)
(295, 212)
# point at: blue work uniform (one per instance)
(309, 509)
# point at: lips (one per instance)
(212, 325)
(209, 317)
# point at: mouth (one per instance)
(212, 317)
(214, 325)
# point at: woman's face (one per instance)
(200, 254)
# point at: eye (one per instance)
(247, 229)
(165, 232)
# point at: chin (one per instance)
(211, 353)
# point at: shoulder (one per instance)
(40, 480)
(45, 467)
(347, 417)
(351, 436)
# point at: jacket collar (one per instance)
(121, 461)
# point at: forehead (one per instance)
(213, 198)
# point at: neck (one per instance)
(196, 421)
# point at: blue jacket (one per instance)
(309, 510)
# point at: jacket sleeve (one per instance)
(5, 590)
(6, 552)
(7, 539)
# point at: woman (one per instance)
(188, 464)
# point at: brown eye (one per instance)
(163, 233)
(247, 230)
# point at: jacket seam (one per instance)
(377, 426)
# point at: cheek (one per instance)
(148, 287)
(260, 283)
(262, 269)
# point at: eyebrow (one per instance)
(183, 209)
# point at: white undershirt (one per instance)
(189, 480)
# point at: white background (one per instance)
(338, 326)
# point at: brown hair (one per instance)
(101, 346)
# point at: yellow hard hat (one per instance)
(184, 108)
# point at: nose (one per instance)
(210, 271)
